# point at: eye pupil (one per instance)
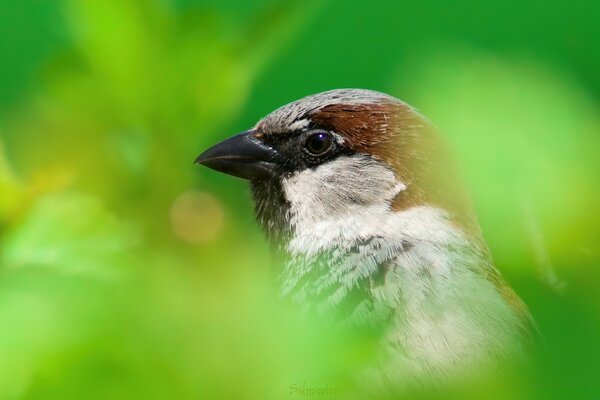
(319, 143)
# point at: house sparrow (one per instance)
(354, 189)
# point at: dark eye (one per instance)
(318, 143)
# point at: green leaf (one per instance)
(71, 233)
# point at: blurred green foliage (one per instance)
(126, 272)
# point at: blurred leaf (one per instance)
(527, 137)
(45, 318)
(11, 190)
(70, 233)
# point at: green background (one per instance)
(128, 272)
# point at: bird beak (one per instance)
(242, 155)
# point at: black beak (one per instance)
(242, 155)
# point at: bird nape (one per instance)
(356, 193)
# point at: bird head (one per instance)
(331, 154)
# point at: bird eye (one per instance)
(318, 143)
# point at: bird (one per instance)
(357, 193)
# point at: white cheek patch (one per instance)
(346, 184)
(350, 198)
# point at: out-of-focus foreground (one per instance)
(128, 272)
